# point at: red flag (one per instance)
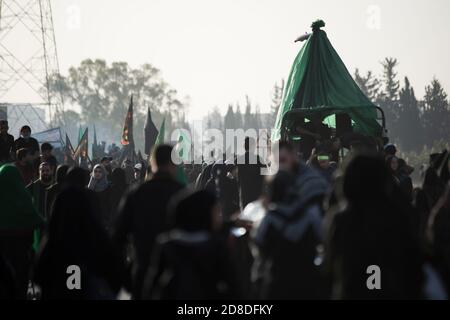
(127, 134)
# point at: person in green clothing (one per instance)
(18, 220)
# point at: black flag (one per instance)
(150, 133)
(69, 152)
(95, 153)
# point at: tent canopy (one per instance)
(320, 84)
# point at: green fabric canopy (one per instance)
(319, 83)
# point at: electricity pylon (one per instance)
(28, 59)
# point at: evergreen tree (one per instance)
(215, 119)
(257, 119)
(436, 113)
(276, 101)
(238, 119)
(248, 116)
(229, 121)
(369, 85)
(410, 128)
(388, 98)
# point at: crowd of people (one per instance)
(309, 231)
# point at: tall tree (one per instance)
(436, 113)
(411, 135)
(102, 90)
(369, 84)
(229, 120)
(215, 119)
(249, 119)
(257, 118)
(388, 98)
(277, 97)
(238, 118)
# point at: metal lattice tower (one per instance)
(28, 57)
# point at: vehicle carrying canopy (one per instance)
(319, 83)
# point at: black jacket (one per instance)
(32, 144)
(144, 217)
(250, 180)
(190, 265)
(6, 148)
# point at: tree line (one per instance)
(412, 123)
(102, 92)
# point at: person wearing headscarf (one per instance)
(191, 261)
(373, 224)
(18, 220)
(77, 238)
(56, 188)
(99, 184)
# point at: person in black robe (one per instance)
(229, 196)
(438, 236)
(99, 184)
(77, 238)
(143, 213)
(117, 190)
(249, 177)
(6, 143)
(56, 188)
(191, 261)
(372, 225)
(77, 177)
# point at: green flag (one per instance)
(161, 133)
(183, 146)
(80, 134)
(180, 175)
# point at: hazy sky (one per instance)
(218, 51)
